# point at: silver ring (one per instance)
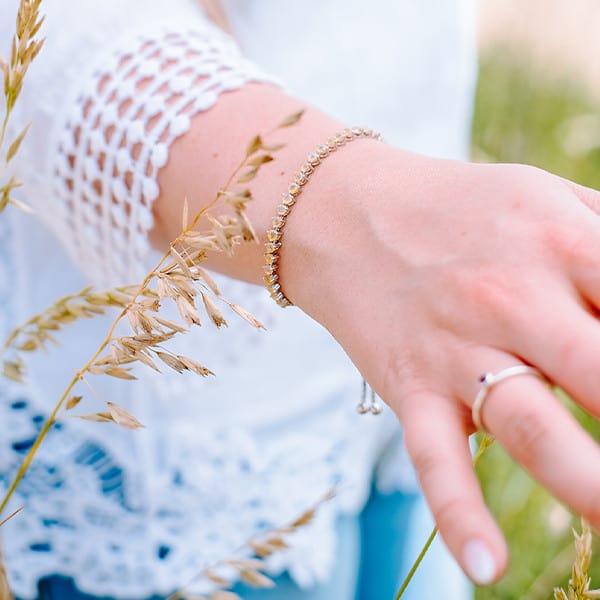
(489, 380)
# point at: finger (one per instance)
(587, 195)
(576, 241)
(436, 439)
(564, 342)
(540, 433)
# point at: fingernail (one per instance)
(479, 562)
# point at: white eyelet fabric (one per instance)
(118, 135)
(132, 514)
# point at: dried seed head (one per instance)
(213, 312)
(171, 361)
(210, 282)
(14, 370)
(215, 578)
(187, 310)
(118, 372)
(72, 402)
(579, 584)
(292, 119)
(246, 316)
(194, 367)
(174, 327)
(123, 417)
(224, 595)
(256, 579)
(254, 146)
(182, 263)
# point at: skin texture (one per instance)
(429, 273)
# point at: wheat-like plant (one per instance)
(248, 562)
(25, 46)
(178, 277)
(39, 330)
(580, 581)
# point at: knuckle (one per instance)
(580, 371)
(424, 459)
(526, 434)
(568, 351)
(451, 511)
(489, 289)
(493, 292)
(402, 369)
(572, 243)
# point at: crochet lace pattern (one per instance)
(118, 135)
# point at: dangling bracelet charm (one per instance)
(370, 405)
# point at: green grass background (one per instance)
(525, 116)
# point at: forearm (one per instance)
(202, 160)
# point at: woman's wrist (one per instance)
(275, 234)
(202, 160)
(329, 235)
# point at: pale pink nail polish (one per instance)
(479, 562)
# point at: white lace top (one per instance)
(135, 513)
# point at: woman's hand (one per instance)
(431, 273)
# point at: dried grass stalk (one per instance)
(177, 280)
(25, 46)
(177, 277)
(39, 330)
(579, 584)
(249, 562)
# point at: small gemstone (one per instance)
(283, 210)
(276, 287)
(323, 150)
(271, 258)
(314, 159)
(288, 200)
(273, 246)
(268, 269)
(368, 132)
(278, 222)
(306, 168)
(271, 279)
(347, 133)
(300, 178)
(273, 235)
(357, 131)
(294, 189)
(331, 144)
(340, 139)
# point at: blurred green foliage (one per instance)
(525, 116)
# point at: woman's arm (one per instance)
(428, 272)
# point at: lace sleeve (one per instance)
(114, 119)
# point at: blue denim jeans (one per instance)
(375, 552)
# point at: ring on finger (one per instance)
(489, 380)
